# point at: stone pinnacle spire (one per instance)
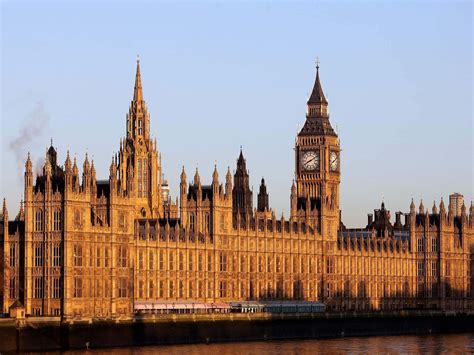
(137, 92)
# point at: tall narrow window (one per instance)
(39, 220)
(140, 260)
(122, 256)
(181, 261)
(38, 290)
(208, 222)
(106, 257)
(57, 255)
(12, 255)
(122, 287)
(171, 261)
(191, 222)
(140, 128)
(56, 287)
(145, 178)
(57, 220)
(139, 178)
(151, 260)
(209, 261)
(77, 255)
(97, 255)
(190, 261)
(434, 244)
(38, 255)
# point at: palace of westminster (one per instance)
(87, 248)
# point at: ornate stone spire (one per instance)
(4, 210)
(434, 209)
(137, 91)
(442, 208)
(215, 175)
(28, 164)
(75, 170)
(422, 207)
(412, 206)
(86, 166)
(197, 179)
(183, 176)
(67, 163)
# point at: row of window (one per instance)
(421, 244)
(38, 288)
(39, 256)
(39, 220)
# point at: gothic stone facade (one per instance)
(88, 248)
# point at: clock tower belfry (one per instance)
(317, 163)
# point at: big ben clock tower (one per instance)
(317, 165)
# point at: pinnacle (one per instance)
(137, 92)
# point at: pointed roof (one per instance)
(317, 95)
(137, 91)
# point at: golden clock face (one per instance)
(310, 160)
(334, 161)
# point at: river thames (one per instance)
(433, 344)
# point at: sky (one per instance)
(398, 76)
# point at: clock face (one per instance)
(334, 161)
(310, 160)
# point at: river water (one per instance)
(432, 344)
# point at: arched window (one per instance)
(39, 220)
(57, 219)
(139, 178)
(145, 178)
(191, 222)
(207, 221)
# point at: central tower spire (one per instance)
(137, 92)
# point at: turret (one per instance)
(67, 172)
(293, 200)
(182, 185)
(5, 212)
(421, 208)
(113, 175)
(215, 181)
(228, 183)
(28, 176)
(262, 198)
(412, 207)
(75, 176)
(86, 174)
(197, 179)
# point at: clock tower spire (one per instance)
(317, 164)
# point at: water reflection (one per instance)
(433, 344)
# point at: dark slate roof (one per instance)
(206, 192)
(103, 188)
(14, 226)
(317, 126)
(317, 95)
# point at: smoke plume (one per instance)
(34, 125)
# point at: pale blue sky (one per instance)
(398, 77)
